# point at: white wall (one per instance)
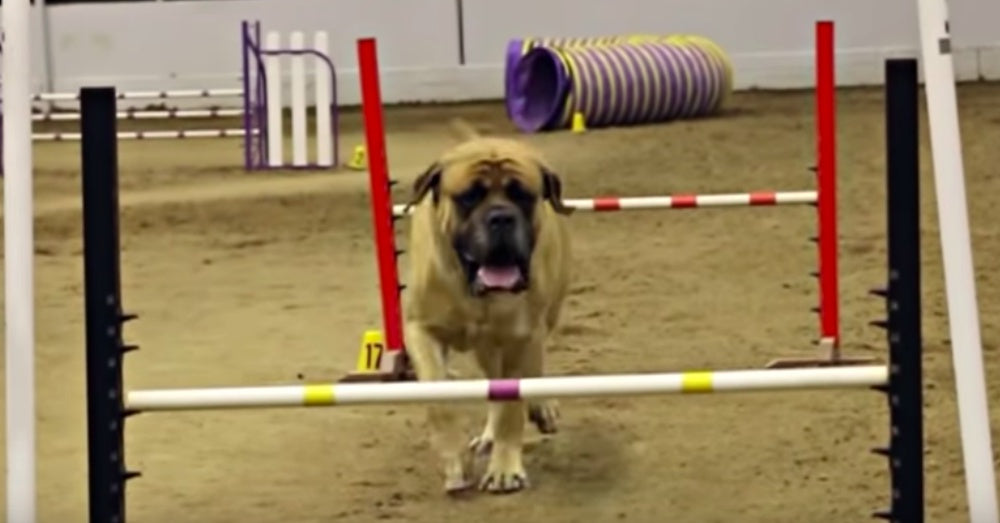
(196, 44)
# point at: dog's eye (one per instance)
(519, 195)
(471, 197)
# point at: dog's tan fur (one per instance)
(506, 332)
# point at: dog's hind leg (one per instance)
(427, 354)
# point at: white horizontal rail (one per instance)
(500, 390)
(145, 115)
(146, 135)
(682, 201)
(143, 95)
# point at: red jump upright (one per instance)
(393, 364)
(826, 211)
(826, 183)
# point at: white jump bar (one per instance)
(147, 135)
(145, 115)
(329, 394)
(143, 95)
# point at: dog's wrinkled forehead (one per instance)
(493, 162)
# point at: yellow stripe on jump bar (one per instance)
(317, 395)
(696, 382)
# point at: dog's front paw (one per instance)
(544, 414)
(504, 478)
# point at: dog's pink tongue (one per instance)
(499, 277)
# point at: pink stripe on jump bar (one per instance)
(504, 390)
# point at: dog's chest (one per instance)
(498, 322)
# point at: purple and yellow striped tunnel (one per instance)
(614, 80)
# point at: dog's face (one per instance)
(490, 191)
(494, 234)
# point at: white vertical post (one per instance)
(956, 246)
(299, 138)
(275, 132)
(323, 84)
(44, 48)
(19, 277)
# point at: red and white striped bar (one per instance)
(507, 390)
(145, 115)
(146, 135)
(143, 95)
(683, 201)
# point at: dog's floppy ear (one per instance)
(552, 191)
(428, 181)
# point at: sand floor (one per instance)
(246, 279)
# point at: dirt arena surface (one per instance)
(270, 279)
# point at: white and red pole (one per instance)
(681, 201)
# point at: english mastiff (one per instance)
(489, 256)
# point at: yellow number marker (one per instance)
(359, 160)
(370, 354)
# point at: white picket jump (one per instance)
(323, 85)
(275, 131)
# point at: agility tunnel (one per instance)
(614, 80)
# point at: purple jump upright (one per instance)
(633, 80)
